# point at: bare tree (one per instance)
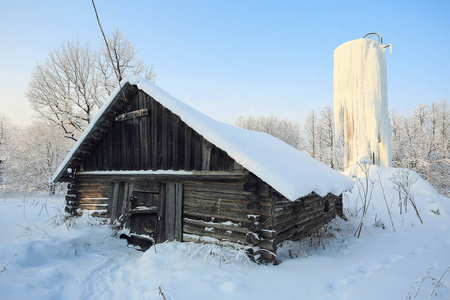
(73, 83)
(65, 89)
(311, 134)
(121, 61)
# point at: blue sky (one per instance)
(227, 58)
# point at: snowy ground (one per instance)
(41, 257)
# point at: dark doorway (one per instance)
(152, 211)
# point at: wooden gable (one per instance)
(144, 135)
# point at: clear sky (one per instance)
(227, 58)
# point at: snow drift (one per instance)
(42, 258)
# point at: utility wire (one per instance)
(109, 50)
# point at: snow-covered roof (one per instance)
(291, 172)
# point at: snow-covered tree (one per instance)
(35, 153)
(5, 138)
(421, 143)
(283, 129)
(69, 87)
(312, 133)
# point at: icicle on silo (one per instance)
(361, 101)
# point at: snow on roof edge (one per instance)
(289, 171)
(88, 129)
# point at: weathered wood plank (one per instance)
(213, 196)
(206, 154)
(225, 226)
(178, 211)
(198, 151)
(170, 211)
(160, 133)
(154, 134)
(123, 144)
(164, 138)
(187, 148)
(222, 216)
(219, 187)
(136, 142)
(113, 201)
(220, 235)
(175, 130)
(161, 226)
(93, 206)
(143, 135)
(94, 200)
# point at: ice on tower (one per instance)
(361, 102)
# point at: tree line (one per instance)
(67, 90)
(420, 142)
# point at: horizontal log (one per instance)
(252, 178)
(187, 237)
(288, 221)
(215, 206)
(215, 196)
(71, 192)
(226, 226)
(226, 236)
(268, 234)
(92, 182)
(269, 244)
(193, 176)
(196, 213)
(264, 190)
(93, 190)
(70, 197)
(252, 238)
(254, 206)
(254, 218)
(93, 195)
(94, 200)
(250, 187)
(94, 206)
(254, 198)
(314, 227)
(255, 226)
(234, 188)
(303, 228)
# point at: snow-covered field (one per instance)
(42, 257)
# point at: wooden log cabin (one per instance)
(165, 171)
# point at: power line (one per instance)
(107, 47)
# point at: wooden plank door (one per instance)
(118, 204)
(154, 212)
(143, 214)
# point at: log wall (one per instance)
(157, 141)
(93, 193)
(240, 209)
(234, 211)
(293, 220)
